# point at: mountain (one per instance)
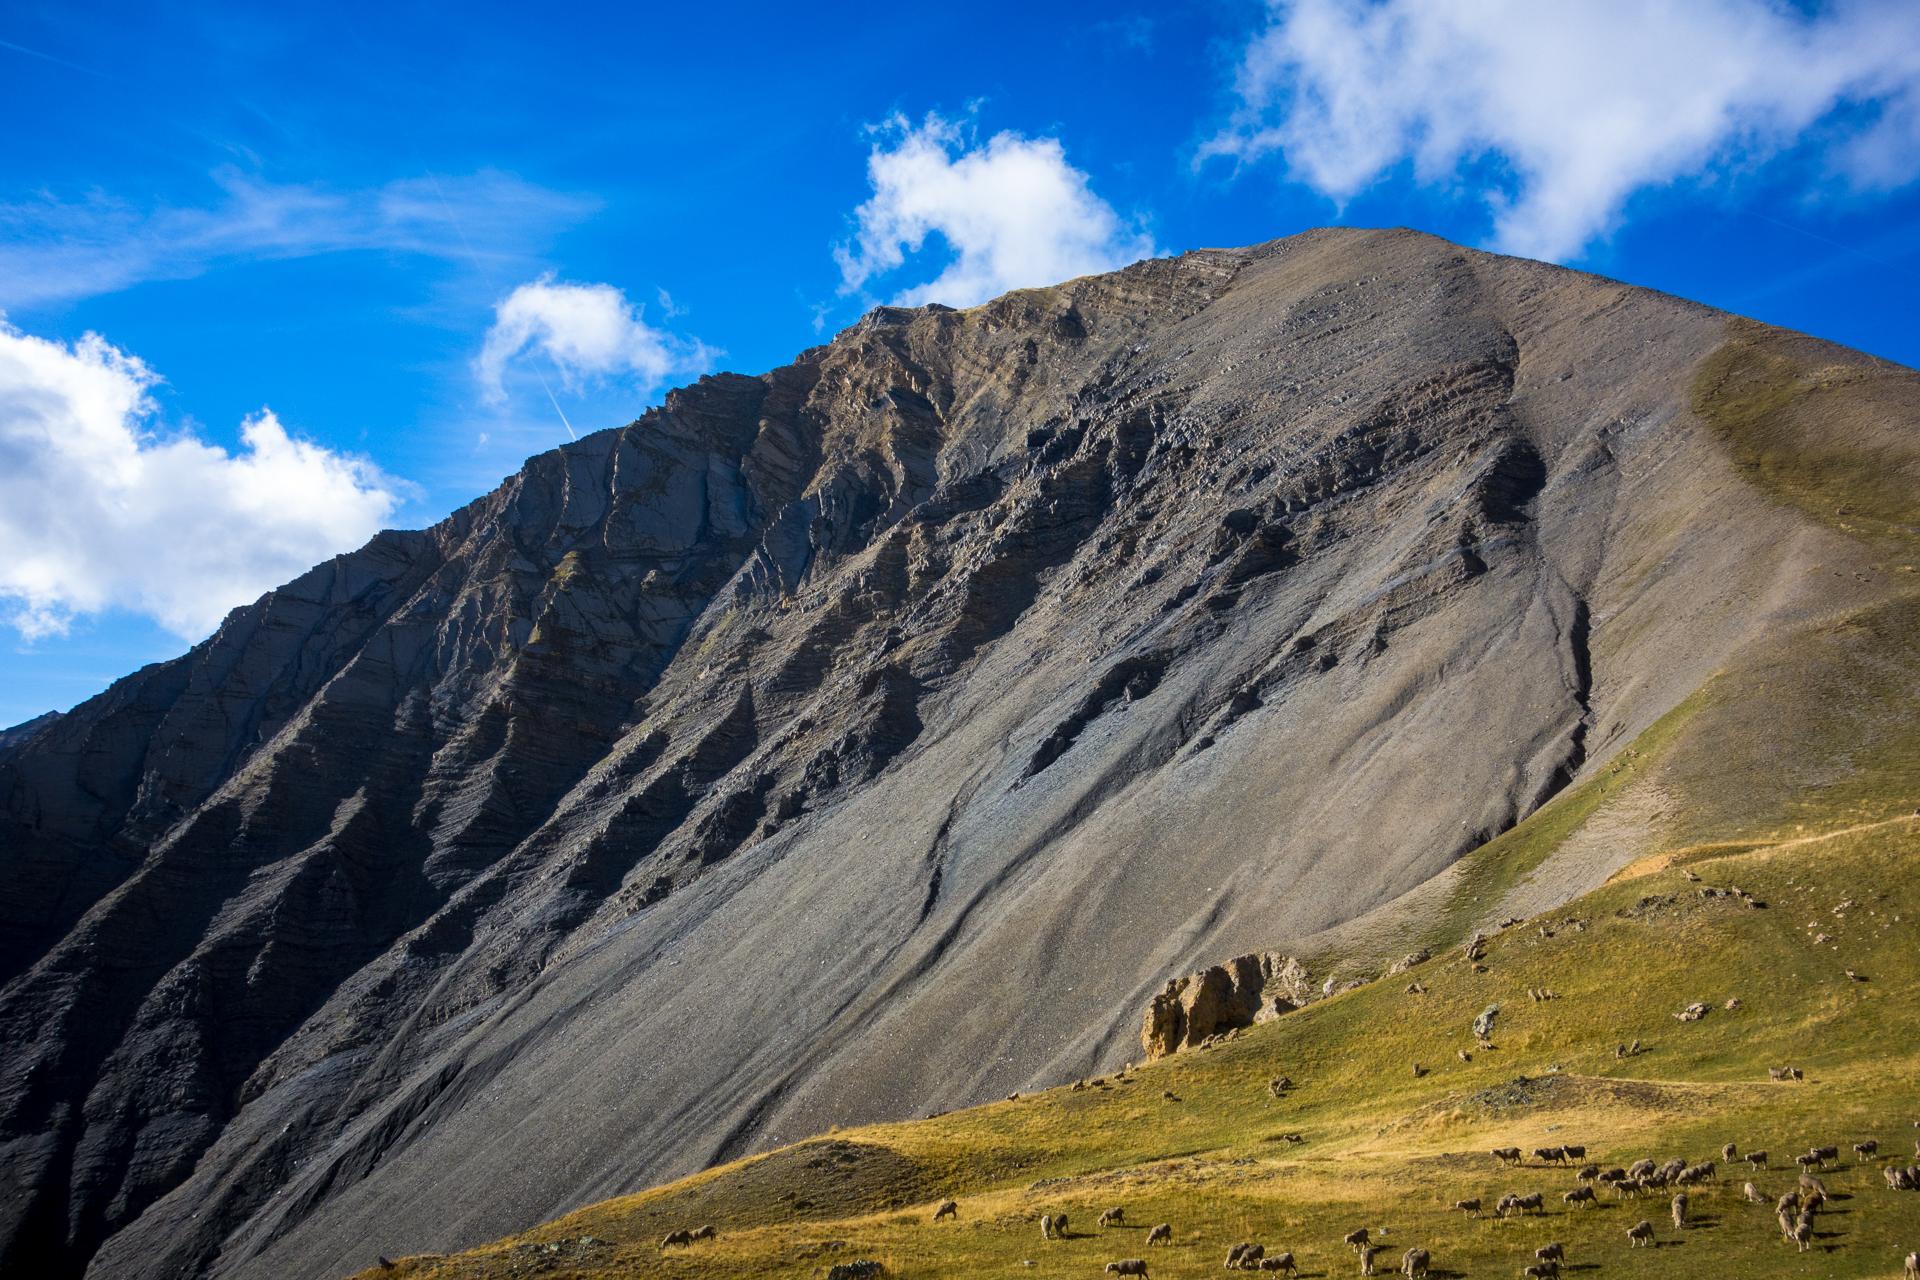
(881, 734)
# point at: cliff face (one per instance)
(871, 736)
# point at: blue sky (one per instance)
(348, 267)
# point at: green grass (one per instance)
(1382, 1148)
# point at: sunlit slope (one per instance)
(1809, 925)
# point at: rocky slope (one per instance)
(878, 735)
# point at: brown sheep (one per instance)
(1356, 1239)
(1680, 1210)
(1506, 1155)
(681, 1237)
(1812, 1185)
(1555, 1252)
(1588, 1173)
(1279, 1262)
(1808, 1160)
(1414, 1263)
(704, 1232)
(1802, 1234)
(1366, 1260)
(946, 1209)
(1729, 1153)
(1550, 1155)
(1758, 1159)
(1161, 1233)
(1639, 1233)
(1541, 1271)
(1753, 1194)
(1578, 1196)
(1534, 1203)
(1639, 1168)
(1866, 1150)
(1469, 1207)
(1238, 1256)
(1114, 1217)
(1128, 1267)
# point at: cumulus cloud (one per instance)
(53, 250)
(588, 332)
(1572, 108)
(1013, 213)
(99, 511)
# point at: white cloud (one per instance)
(97, 511)
(588, 332)
(1576, 106)
(53, 250)
(1014, 214)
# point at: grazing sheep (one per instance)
(1506, 1155)
(1356, 1239)
(1051, 1227)
(1692, 1013)
(1729, 1153)
(1534, 1203)
(1753, 1194)
(1899, 1179)
(1238, 1255)
(1574, 1153)
(1615, 1174)
(1114, 1217)
(1550, 1155)
(1813, 1185)
(1808, 1160)
(1788, 1204)
(1777, 1073)
(946, 1209)
(1913, 1266)
(1279, 1262)
(1541, 1271)
(1128, 1267)
(1469, 1207)
(1555, 1252)
(1826, 1153)
(1419, 1071)
(1414, 1263)
(1640, 1168)
(1463, 1055)
(1866, 1150)
(1279, 1085)
(1639, 1233)
(1680, 1210)
(859, 1269)
(1802, 1234)
(1758, 1159)
(1366, 1260)
(1160, 1233)
(681, 1237)
(704, 1232)
(1579, 1196)
(1588, 1173)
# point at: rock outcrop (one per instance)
(1194, 1009)
(751, 768)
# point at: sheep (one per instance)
(1588, 1173)
(1469, 1207)
(1356, 1239)
(1541, 1271)
(1615, 1174)
(1534, 1203)
(1787, 1204)
(1673, 1168)
(1777, 1073)
(1574, 1153)
(1506, 1155)
(1808, 1160)
(1114, 1217)
(1826, 1153)
(1866, 1150)
(1802, 1234)
(1579, 1196)
(1758, 1159)
(1419, 1071)
(1680, 1210)
(1555, 1252)
(704, 1232)
(1128, 1267)
(1160, 1233)
(1279, 1085)
(859, 1269)
(1640, 1168)
(946, 1209)
(1279, 1262)
(1366, 1260)
(1753, 1194)
(1913, 1266)
(1414, 1263)
(681, 1237)
(1047, 1228)
(1463, 1055)
(1813, 1185)
(1639, 1233)
(1239, 1254)
(1550, 1155)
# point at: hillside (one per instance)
(876, 736)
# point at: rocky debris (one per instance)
(1194, 1009)
(1483, 1023)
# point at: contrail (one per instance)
(482, 272)
(59, 62)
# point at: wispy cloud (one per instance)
(1011, 213)
(54, 250)
(586, 333)
(1574, 107)
(100, 509)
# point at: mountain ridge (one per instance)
(871, 683)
